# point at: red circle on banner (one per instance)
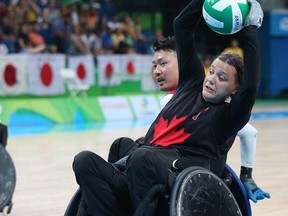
(130, 67)
(46, 75)
(109, 70)
(10, 75)
(81, 72)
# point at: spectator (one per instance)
(103, 23)
(3, 48)
(91, 39)
(29, 40)
(36, 43)
(32, 11)
(51, 14)
(8, 35)
(140, 39)
(114, 23)
(92, 17)
(74, 13)
(207, 60)
(234, 48)
(128, 26)
(117, 37)
(75, 45)
(107, 41)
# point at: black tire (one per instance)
(7, 180)
(198, 192)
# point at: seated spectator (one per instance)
(140, 40)
(8, 35)
(107, 41)
(91, 40)
(75, 45)
(117, 37)
(51, 14)
(3, 48)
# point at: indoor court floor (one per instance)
(46, 183)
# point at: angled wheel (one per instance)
(198, 192)
(239, 192)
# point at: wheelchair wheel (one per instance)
(7, 180)
(198, 192)
(73, 205)
(239, 192)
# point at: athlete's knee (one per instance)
(82, 161)
(120, 148)
(139, 157)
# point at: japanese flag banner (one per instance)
(13, 72)
(44, 74)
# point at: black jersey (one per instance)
(188, 122)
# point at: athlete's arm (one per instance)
(190, 66)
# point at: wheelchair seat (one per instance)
(196, 192)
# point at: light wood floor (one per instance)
(45, 181)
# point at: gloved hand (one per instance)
(255, 15)
(254, 192)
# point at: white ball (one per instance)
(225, 16)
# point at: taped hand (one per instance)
(253, 191)
(255, 15)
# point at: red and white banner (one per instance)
(147, 81)
(13, 75)
(84, 67)
(131, 67)
(44, 74)
(109, 70)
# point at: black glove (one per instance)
(253, 191)
(255, 15)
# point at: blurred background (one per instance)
(76, 74)
(61, 60)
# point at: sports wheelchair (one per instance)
(198, 192)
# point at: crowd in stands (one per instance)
(49, 26)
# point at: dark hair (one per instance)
(166, 43)
(236, 61)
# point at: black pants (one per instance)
(107, 191)
(120, 148)
(104, 188)
(123, 146)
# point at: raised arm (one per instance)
(190, 66)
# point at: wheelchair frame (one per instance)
(234, 193)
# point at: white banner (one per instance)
(44, 74)
(145, 106)
(84, 68)
(115, 108)
(13, 72)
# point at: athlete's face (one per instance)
(220, 82)
(165, 70)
